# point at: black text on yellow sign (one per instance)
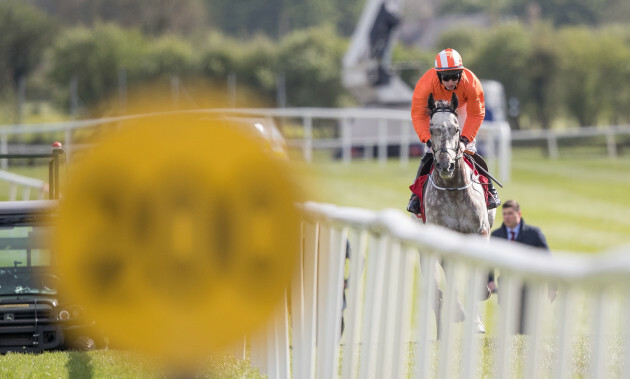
(178, 235)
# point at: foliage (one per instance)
(26, 32)
(94, 58)
(278, 18)
(593, 65)
(166, 56)
(556, 73)
(151, 17)
(311, 62)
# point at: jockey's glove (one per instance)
(464, 140)
(428, 143)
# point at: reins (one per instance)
(452, 188)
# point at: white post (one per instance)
(426, 288)
(329, 299)
(305, 321)
(533, 326)
(382, 141)
(552, 144)
(404, 144)
(373, 303)
(4, 149)
(346, 141)
(470, 343)
(26, 193)
(597, 368)
(611, 145)
(505, 158)
(307, 123)
(510, 300)
(447, 316)
(563, 326)
(13, 192)
(67, 147)
(355, 290)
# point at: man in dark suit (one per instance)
(515, 229)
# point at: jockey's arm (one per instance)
(419, 115)
(475, 109)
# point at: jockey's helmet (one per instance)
(447, 60)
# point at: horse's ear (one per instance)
(454, 102)
(431, 102)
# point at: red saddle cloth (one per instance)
(418, 187)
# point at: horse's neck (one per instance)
(460, 178)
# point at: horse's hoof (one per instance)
(478, 326)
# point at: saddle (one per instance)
(419, 186)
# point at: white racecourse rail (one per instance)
(371, 127)
(389, 322)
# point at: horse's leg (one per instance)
(492, 214)
(437, 309)
(437, 303)
(437, 294)
(459, 314)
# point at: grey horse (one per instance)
(453, 195)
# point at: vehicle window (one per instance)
(21, 245)
(25, 261)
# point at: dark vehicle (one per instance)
(33, 317)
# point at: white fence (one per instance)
(390, 327)
(378, 128)
(552, 136)
(366, 127)
(25, 183)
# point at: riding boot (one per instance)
(493, 200)
(414, 202)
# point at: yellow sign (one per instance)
(178, 235)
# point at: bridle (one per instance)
(458, 155)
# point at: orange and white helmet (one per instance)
(448, 59)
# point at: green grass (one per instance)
(114, 364)
(580, 202)
(578, 367)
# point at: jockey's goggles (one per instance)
(446, 78)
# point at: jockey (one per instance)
(449, 76)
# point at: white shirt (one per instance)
(510, 231)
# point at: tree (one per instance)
(311, 62)
(94, 57)
(154, 17)
(502, 54)
(278, 18)
(26, 32)
(592, 66)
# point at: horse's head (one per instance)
(445, 133)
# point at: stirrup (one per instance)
(493, 202)
(414, 205)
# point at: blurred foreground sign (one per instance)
(178, 235)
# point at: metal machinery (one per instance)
(366, 65)
(33, 316)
